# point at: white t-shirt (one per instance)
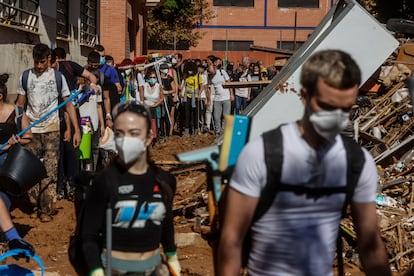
(139, 82)
(297, 235)
(90, 107)
(220, 93)
(205, 80)
(151, 96)
(42, 96)
(243, 92)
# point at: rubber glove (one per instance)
(173, 264)
(22, 244)
(97, 272)
(16, 242)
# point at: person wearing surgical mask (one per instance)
(170, 96)
(297, 233)
(141, 197)
(154, 99)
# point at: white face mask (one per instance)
(165, 71)
(128, 71)
(328, 124)
(130, 148)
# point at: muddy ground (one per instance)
(51, 239)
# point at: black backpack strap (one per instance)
(25, 79)
(273, 150)
(355, 160)
(19, 117)
(355, 163)
(59, 85)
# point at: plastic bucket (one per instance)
(21, 170)
(85, 146)
(16, 270)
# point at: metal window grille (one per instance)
(62, 25)
(232, 45)
(20, 14)
(89, 23)
(289, 45)
(234, 3)
(298, 3)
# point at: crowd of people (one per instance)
(187, 97)
(172, 96)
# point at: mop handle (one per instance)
(74, 95)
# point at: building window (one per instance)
(234, 3)
(289, 45)
(62, 11)
(23, 14)
(88, 22)
(232, 45)
(298, 3)
(155, 44)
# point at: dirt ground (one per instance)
(51, 239)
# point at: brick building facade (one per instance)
(284, 24)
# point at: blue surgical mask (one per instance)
(152, 81)
(102, 60)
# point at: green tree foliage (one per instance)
(179, 18)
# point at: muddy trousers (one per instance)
(43, 194)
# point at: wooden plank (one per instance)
(272, 50)
(242, 84)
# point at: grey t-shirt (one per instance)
(297, 234)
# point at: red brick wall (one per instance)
(113, 27)
(264, 30)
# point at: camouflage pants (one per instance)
(43, 195)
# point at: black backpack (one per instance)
(273, 149)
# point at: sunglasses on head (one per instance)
(132, 107)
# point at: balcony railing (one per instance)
(20, 18)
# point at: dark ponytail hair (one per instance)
(3, 88)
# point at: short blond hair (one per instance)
(335, 67)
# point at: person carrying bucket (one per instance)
(12, 120)
(41, 89)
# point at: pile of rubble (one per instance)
(383, 123)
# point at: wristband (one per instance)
(108, 116)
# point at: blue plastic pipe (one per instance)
(74, 95)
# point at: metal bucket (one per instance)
(21, 171)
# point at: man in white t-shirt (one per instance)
(297, 234)
(41, 97)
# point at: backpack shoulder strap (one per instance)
(58, 77)
(355, 163)
(25, 79)
(19, 115)
(273, 149)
